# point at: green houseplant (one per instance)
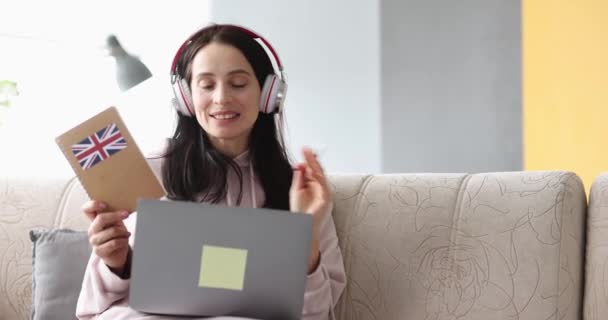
(8, 90)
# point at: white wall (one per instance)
(330, 50)
(451, 86)
(331, 59)
(54, 50)
(386, 86)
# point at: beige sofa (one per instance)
(596, 268)
(416, 246)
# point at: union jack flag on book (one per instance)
(99, 146)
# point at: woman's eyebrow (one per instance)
(238, 71)
(233, 72)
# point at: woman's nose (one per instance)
(221, 95)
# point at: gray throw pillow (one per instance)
(59, 259)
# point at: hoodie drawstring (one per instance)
(251, 189)
(252, 186)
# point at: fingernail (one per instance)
(124, 213)
(102, 205)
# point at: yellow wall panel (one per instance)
(565, 86)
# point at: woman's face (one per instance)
(226, 95)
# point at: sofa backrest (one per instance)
(596, 269)
(415, 246)
(453, 246)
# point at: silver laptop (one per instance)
(192, 259)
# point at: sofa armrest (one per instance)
(596, 287)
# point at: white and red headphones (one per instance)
(273, 91)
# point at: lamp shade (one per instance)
(130, 71)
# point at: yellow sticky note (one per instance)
(222, 267)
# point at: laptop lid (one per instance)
(198, 259)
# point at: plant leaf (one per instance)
(8, 88)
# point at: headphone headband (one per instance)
(266, 43)
(252, 34)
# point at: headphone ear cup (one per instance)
(273, 94)
(182, 100)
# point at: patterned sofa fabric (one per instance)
(596, 284)
(416, 246)
(28, 204)
(484, 246)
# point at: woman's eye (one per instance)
(206, 86)
(239, 85)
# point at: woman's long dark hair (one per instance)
(193, 167)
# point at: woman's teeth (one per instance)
(225, 116)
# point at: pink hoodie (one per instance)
(104, 295)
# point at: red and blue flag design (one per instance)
(99, 146)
